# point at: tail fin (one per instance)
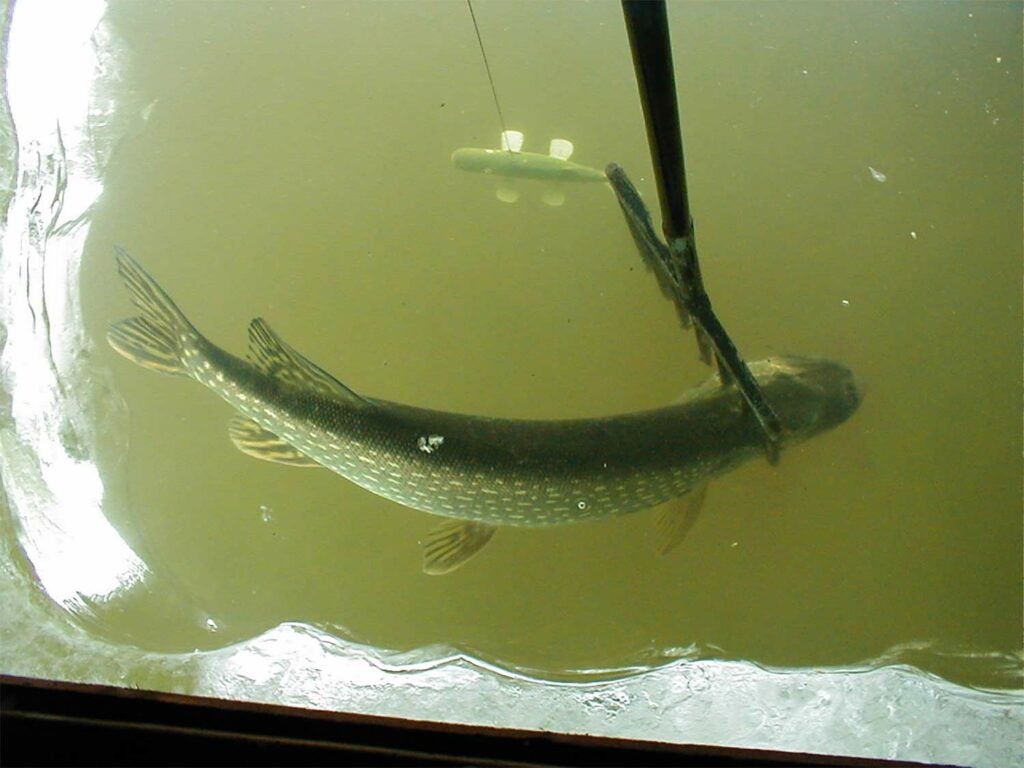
(160, 338)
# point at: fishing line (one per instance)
(487, 66)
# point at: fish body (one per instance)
(523, 165)
(511, 163)
(481, 472)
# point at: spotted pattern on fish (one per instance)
(497, 471)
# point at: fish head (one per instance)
(477, 160)
(809, 395)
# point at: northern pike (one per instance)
(481, 473)
(512, 163)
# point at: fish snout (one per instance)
(848, 397)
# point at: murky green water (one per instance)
(294, 164)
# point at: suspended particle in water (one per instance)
(266, 513)
(877, 175)
(581, 504)
(211, 624)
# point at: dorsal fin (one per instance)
(511, 141)
(560, 148)
(271, 355)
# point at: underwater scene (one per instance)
(318, 321)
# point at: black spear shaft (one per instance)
(647, 26)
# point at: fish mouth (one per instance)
(839, 392)
(854, 391)
(848, 394)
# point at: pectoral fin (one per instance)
(252, 439)
(676, 518)
(452, 543)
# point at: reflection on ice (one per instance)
(76, 554)
(50, 67)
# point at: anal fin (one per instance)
(450, 544)
(675, 519)
(275, 358)
(252, 439)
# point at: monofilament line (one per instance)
(487, 66)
